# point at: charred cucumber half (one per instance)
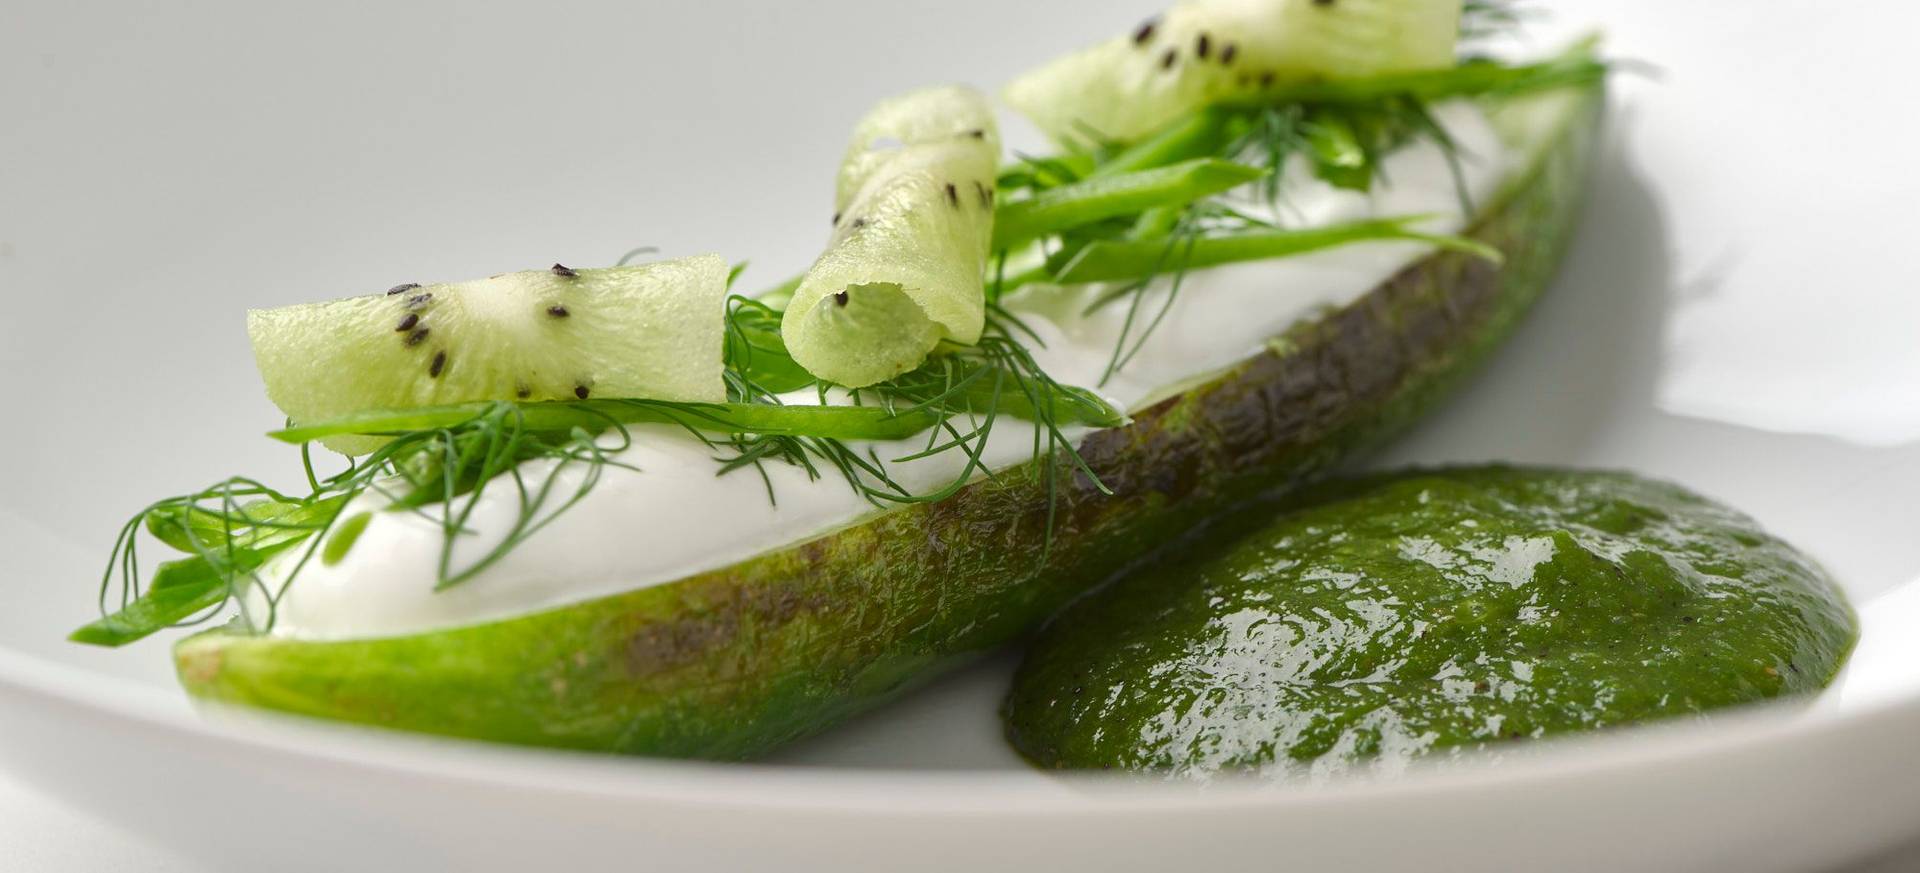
(733, 662)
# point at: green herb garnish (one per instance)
(1135, 216)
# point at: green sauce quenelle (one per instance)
(1381, 619)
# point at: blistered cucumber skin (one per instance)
(738, 661)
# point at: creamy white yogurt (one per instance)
(675, 517)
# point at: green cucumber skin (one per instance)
(735, 662)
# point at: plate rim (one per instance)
(909, 792)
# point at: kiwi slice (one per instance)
(1205, 51)
(652, 331)
(906, 265)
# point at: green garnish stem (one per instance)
(1101, 197)
(834, 422)
(1201, 134)
(1117, 260)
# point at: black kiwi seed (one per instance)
(841, 298)
(1229, 53)
(581, 392)
(953, 195)
(563, 270)
(438, 366)
(558, 311)
(1266, 79)
(417, 337)
(1203, 47)
(402, 289)
(522, 391)
(410, 322)
(1145, 32)
(836, 219)
(977, 133)
(859, 223)
(1169, 59)
(985, 193)
(419, 300)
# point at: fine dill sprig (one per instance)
(961, 393)
(1481, 20)
(231, 530)
(454, 468)
(1172, 256)
(440, 462)
(978, 384)
(635, 252)
(759, 371)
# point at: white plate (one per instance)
(1737, 315)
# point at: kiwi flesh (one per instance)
(650, 331)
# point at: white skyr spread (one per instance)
(674, 517)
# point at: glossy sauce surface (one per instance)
(1379, 620)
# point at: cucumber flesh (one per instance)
(734, 662)
(653, 331)
(906, 266)
(1205, 51)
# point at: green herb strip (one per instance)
(1101, 197)
(834, 422)
(1120, 260)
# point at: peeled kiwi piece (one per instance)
(1206, 51)
(652, 331)
(906, 265)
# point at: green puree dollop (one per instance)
(1380, 619)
